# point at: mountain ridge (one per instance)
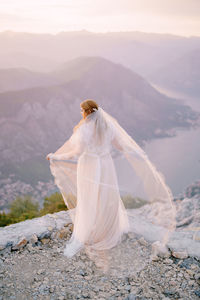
(37, 120)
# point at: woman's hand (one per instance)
(62, 156)
(49, 156)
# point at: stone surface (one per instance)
(32, 230)
(180, 254)
(63, 233)
(160, 250)
(33, 239)
(58, 225)
(20, 244)
(43, 272)
(37, 269)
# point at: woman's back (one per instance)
(96, 141)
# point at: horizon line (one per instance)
(100, 32)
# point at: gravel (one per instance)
(41, 271)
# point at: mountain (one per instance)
(103, 80)
(144, 53)
(182, 75)
(28, 60)
(21, 78)
(37, 120)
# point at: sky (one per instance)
(179, 17)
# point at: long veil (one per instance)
(146, 197)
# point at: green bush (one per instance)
(24, 208)
(52, 204)
(21, 209)
(133, 202)
(4, 219)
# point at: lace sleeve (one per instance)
(77, 143)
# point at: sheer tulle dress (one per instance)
(101, 197)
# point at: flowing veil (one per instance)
(145, 197)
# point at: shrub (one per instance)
(52, 204)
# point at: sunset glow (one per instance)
(181, 17)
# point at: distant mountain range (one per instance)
(13, 79)
(181, 75)
(144, 53)
(38, 119)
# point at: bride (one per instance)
(109, 185)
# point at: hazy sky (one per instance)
(180, 17)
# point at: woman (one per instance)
(102, 205)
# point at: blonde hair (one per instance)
(89, 107)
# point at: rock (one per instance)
(56, 277)
(193, 267)
(197, 277)
(21, 244)
(180, 254)
(45, 241)
(158, 249)
(143, 242)
(171, 293)
(33, 240)
(191, 273)
(30, 247)
(51, 290)
(188, 262)
(63, 233)
(154, 257)
(131, 235)
(130, 297)
(184, 222)
(172, 282)
(2, 247)
(47, 226)
(128, 287)
(82, 273)
(40, 271)
(44, 235)
(197, 293)
(70, 226)
(43, 289)
(169, 261)
(36, 278)
(88, 278)
(191, 282)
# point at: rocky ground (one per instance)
(40, 271)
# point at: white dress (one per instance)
(99, 217)
(85, 173)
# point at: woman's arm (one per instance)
(116, 144)
(62, 156)
(73, 147)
